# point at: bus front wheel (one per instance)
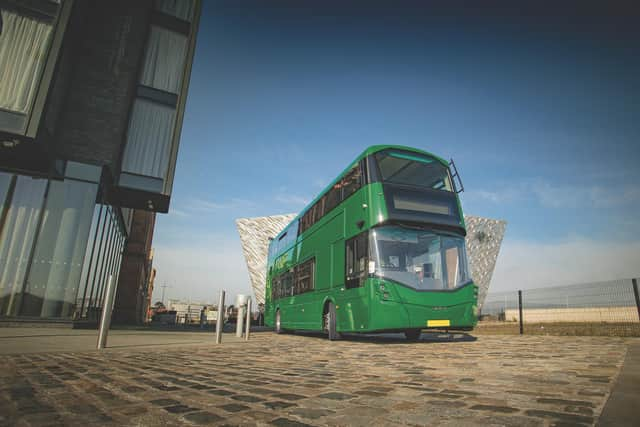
(278, 323)
(329, 322)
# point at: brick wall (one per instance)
(135, 270)
(99, 76)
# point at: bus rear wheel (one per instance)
(412, 334)
(278, 323)
(329, 322)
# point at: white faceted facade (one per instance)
(255, 235)
(483, 241)
(484, 237)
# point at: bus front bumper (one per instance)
(409, 309)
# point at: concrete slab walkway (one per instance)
(45, 340)
(623, 406)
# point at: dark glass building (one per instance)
(92, 96)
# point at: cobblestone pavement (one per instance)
(293, 380)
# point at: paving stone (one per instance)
(582, 410)
(449, 403)
(289, 396)
(220, 392)
(565, 402)
(369, 393)
(133, 389)
(247, 398)
(203, 418)
(463, 392)
(278, 404)
(234, 407)
(559, 415)
(83, 408)
(133, 410)
(285, 422)
(492, 408)
(336, 396)
(179, 409)
(591, 393)
(164, 402)
(311, 413)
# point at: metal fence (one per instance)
(599, 308)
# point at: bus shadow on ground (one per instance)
(426, 337)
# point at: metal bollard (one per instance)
(105, 318)
(634, 282)
(220, 319)
(239, 321)
(246, 334)
(520, 312)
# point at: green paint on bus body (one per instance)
(379, 304)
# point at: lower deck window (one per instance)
(296, 281)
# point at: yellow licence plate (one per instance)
(438, 323)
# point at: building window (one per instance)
(182, 9)
(150, 138)
(23, 47)
(164, 60)
(26, 37)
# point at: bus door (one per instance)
(351, 298)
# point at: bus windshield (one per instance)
(398, 167)
(420, 259)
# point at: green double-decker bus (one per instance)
(381, 249)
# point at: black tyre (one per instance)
(279, 329)
(412, 334)
(329, 322)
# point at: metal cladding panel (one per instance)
(254, 236)
(484, 237)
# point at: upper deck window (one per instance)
(27, 57)
(341, 190)
(399, 167)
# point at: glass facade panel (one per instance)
(97, 262)
(102, 259)
(88, 265)
(57, 248)
(54, 277)
(182, 9)
(164, 60)
(23, 47)
(149, 139)
(5, 182)
(17, 238)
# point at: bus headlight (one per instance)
(372, 267)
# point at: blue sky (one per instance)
(541, 116)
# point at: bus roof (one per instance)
(367, 152)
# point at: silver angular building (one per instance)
(484, 237)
